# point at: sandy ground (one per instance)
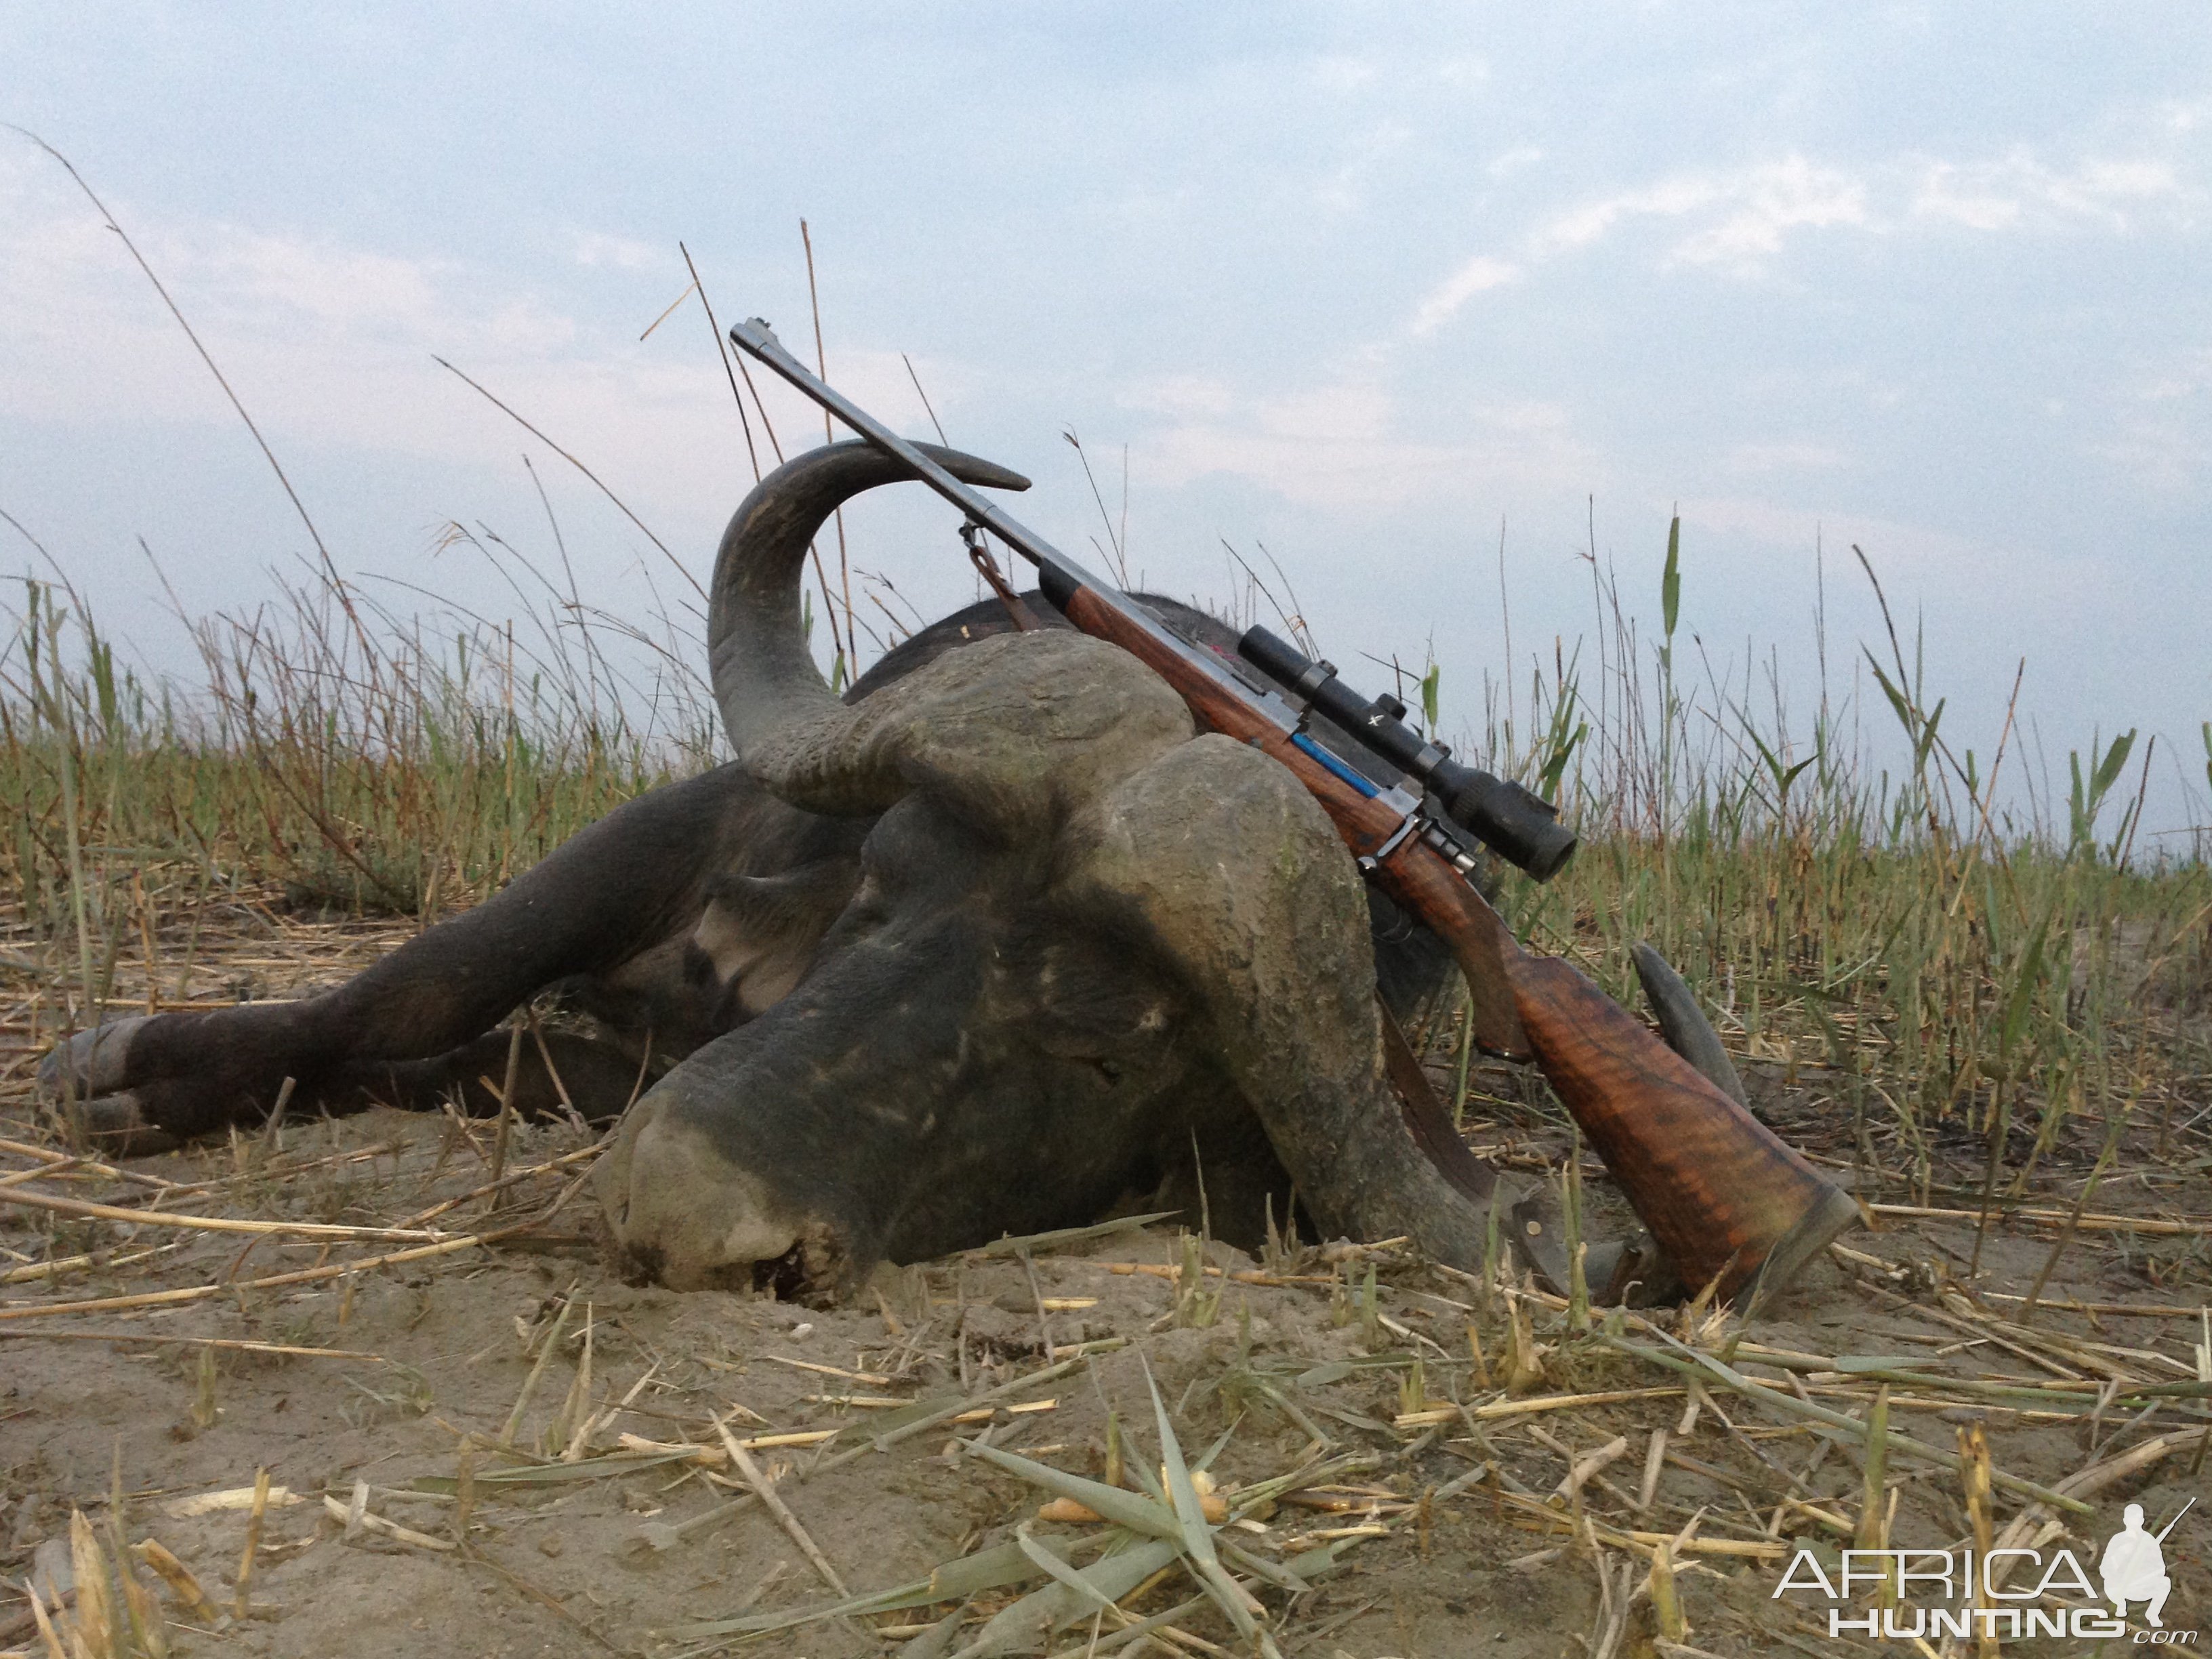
(1428, 1489)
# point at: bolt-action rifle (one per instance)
(1723, 1197)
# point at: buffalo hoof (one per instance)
(81, 1084)
(114, 1125)
(91, 1063)
(684, 1216)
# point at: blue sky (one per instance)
(1356, 282)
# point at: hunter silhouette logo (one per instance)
(2134, 1565)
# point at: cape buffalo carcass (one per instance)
(992, 945)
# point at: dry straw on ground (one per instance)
(1378, 1491)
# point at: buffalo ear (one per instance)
(1241, 880)
(760, 932)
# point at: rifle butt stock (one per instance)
(1721, 1193)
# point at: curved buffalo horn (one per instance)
(765, 679)
(1684, 1025)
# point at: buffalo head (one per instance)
(1087, 954)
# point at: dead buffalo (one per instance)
(994, 944)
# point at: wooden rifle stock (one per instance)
(1723, 1196)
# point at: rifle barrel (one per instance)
(2176, 1521)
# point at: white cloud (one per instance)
(1352, 412)
(1897, 548)
(1367, 153)
(1187, 396)
(2161, 436)
(1478, 275)
(2167, 456)
(1762, 204)
(1343, 72)
(324, 343)
(2017, 192)
(1746, 215)
(1337, 447)
(2188, 376)
(326, 286)
(1746, 212)
(1738, 222)
(1590, 222)
(597, 248)
(1461, 71)
(1785, 457)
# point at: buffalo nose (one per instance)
(682, 1212)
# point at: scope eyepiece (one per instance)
(1519, 826)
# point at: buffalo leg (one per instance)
(598, 1078)
(616, 888)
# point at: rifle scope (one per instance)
(1517, 825)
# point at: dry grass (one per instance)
(1398, 1452)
